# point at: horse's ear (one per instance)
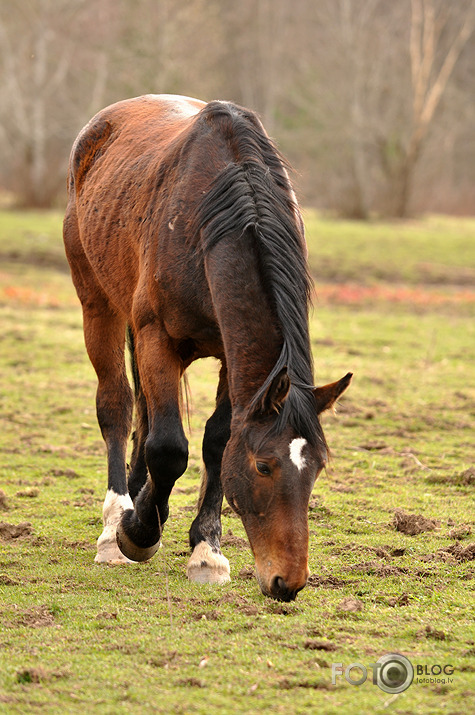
(327, 395)
(276, 394)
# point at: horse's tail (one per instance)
(133, 360)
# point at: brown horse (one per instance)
(182, 231)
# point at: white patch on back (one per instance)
(187, 106)
(296, 448)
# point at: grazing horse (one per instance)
(183, 233)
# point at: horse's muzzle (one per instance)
(280, 589)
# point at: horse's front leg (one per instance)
(207, 564)
(166, 447)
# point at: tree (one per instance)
(432, 64)
(369, 99)
(41, 44)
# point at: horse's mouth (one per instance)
(278, 589)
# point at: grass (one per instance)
(75, 637)
(435, 250)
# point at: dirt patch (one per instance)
(350, 605)
(191, 683)
(377, 568)
(107, 616)
(240, 603)
(69, 473)
(460, 532)
(207, 616)
(231, 539)
(37, 617)
(467, 477)
(396, 552)
(342, 293)
(463, 479)
(248, 609)
(25, 676)
(9, 532)
(459, 552)
(413, 524)
(315, 581)
(316, 510)
(286, 684)
(381, 551)
(320, 645)
(342, 488)
(247, 573)
(430, 632)
(30, 493)
(30, 675)
(3, 501)
(402, 600)
(7, 581)
(374, 446)
(283, 609)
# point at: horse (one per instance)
(185, 240)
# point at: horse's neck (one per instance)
(252, 342)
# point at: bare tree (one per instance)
(368, 98)
(41, 44)
(432, 64)
(259, 37)
(372, 76)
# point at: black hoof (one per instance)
(127, 546)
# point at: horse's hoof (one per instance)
(107, 550)
(131, 550)
(207, 566)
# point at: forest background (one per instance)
(372, 101)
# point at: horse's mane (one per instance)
(253, 194)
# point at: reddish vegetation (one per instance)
(327, 294)
(354, 294)
(42, 298)
(29, 296)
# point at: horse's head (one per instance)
(268, 477)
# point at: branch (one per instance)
(446, 70)
(416, 55)
(12, 85)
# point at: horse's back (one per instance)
(127, 129)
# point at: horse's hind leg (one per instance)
(105, 341)
(104, 333)
(207, 564)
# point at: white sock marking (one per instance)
(296, 448)
(205, 566)
(107, 549)
(114, 505)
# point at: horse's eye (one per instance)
(264, 469)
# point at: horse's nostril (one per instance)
(281, 591)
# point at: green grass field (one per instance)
(75, 637)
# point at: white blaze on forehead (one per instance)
(296, 448)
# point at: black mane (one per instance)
(253, 193)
